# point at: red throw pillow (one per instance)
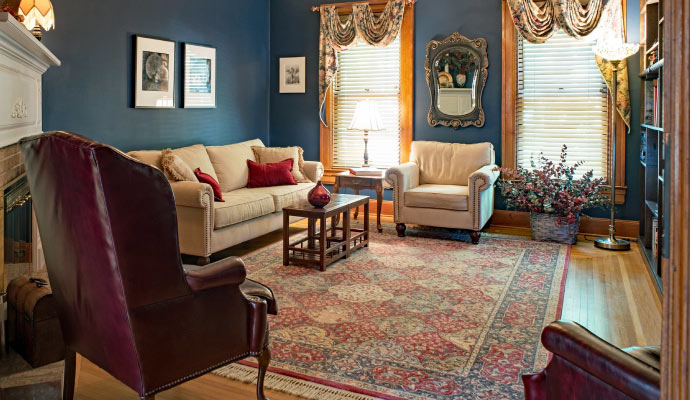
(272, 174)
(206, 178)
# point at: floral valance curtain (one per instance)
(339, 34)
(537, 21)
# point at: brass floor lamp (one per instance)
(615, 53)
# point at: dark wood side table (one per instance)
(331, 247)
(357, 183)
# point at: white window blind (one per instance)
(367, 72)
(562, 99)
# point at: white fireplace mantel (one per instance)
(23, 60)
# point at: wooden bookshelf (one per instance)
(653, 144)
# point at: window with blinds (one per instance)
(367, 72)
(562, 99)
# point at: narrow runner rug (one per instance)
(420, 317)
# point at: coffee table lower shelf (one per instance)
(325, 245)
(305, 253)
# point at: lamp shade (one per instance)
(615, 50)
(367, 117)
(37, 12)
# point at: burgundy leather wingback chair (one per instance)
(585, 367)
(125, 301)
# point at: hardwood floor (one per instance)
(610, 293)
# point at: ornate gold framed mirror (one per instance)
(456, 72)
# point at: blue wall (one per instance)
(294, 118)
(92, 92)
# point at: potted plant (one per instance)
(552, 195)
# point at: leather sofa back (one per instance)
(449, 163)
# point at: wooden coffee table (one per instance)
(328, 244)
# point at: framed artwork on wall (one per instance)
(292, 75)
(154, 73)
(199, 76)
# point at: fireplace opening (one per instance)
(18, 215)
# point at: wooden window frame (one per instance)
(509, 73)
(406, 93)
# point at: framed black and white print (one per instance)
(292, 75)
(199, 76)
(154, 73)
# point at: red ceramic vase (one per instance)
(319, 196)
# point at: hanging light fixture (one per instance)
(37, 14)
(34, 14)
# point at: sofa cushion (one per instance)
(271, 174)
(176, 168)
(449, 163)
(196, 157)
(208, 179)
(447, 197)
(289, 195)
(230, 163)
(242, 205)
(150, 157)
(268, 155)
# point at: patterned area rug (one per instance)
(421, 317)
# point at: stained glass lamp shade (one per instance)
(37, 14)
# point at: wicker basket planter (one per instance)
(545, 228)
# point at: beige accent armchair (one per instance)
(448, 185)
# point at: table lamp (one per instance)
(367, 118)
(614, 52)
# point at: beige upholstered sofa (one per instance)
(206, 226)
(448, 185)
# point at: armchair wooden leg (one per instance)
(264, 359)
(400, 228)
(201, 261)
(475, 235)
(69, 374)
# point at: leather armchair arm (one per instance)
(228, 271)
(483, 178)
(192, 194)
(481, 195)
(250, 288)
(261, 301)
(313, 170)
(601, 359)
(402, 178)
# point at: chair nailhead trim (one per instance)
(208, 211)
(199, 373)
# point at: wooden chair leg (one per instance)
(475, 235)
(264, 359)
(68, 377)
(400, 228)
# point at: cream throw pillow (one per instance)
(176, 168)
(266, 155)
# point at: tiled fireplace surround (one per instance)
(11, 170)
